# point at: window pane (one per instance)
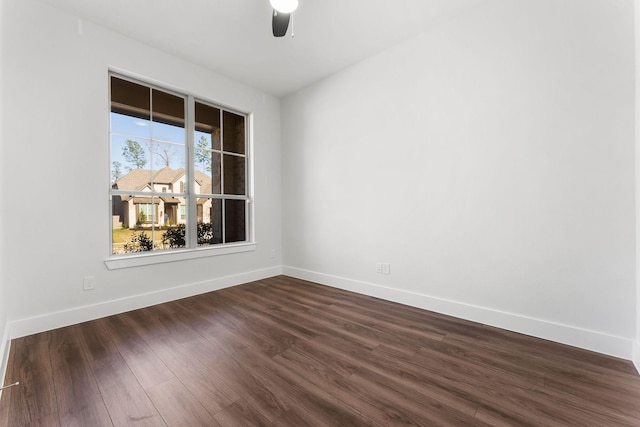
(166, 156)
(203, 182)
(167, 108)
(171, 133)
(234, 174)
(130, 126)
(203, 142)
(216, 220)
(174, 213)
(233, 137)
(208, 123)
(234, 224)
(209, 217)
(134, 179)
(216, 184)
(130, 99)
(130, 153)
(135, 224)
(207, 172)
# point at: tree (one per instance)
(116, 171)
(203, 156)
(165, 154)
(134, 154)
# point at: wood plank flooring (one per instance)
(285, 352)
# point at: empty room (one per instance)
(315, 213)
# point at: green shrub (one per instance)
(175, 236)
(205, 233)
(139, 243)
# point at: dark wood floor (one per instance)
(284, 352)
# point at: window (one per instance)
(178, 179)
(145, 213)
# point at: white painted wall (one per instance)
(636, 347)
(56, 156)
(490, 161)
(4, 332)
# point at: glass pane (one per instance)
(167, 108)
(207, 171)
(234, 174)
(234, 221)
(209, 217)
(173, 211)
(135, 224)
(171, 133)
(130, 153)
(203, 182)
(208, 124)
(216, 183)
(168, 158)
(129, 163)
(233, 137)
(119, 167)
(130, 126)
(203, 141)
(130, 99)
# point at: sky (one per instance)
(168, 140)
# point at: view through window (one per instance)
(162, 197)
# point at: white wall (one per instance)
(636, 352)
(4, 332)
(56, 157)
(490, 161)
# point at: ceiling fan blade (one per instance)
(280, 23)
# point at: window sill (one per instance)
(127, 261)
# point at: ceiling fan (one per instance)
(282, 10)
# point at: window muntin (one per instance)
(150, 170)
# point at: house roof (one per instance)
(167, 175)
(136, 179)
(205, 182)
(139, 179)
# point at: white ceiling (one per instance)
(233, 37)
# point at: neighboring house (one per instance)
(132, 211)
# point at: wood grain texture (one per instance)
(286, 352)
(79, 400)
(36, 392)
(178, 406)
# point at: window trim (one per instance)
(118, 261)
(134, 260)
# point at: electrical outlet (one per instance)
(89, 283)
(386, 268)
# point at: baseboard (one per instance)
(5, 346)
(636, 355)
(591, 340)
(54, 320)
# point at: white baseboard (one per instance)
(5, 346)
(636, 354)
(59, 319)
(591, 340)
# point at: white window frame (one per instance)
(192, 251)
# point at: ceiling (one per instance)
(233, 37)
